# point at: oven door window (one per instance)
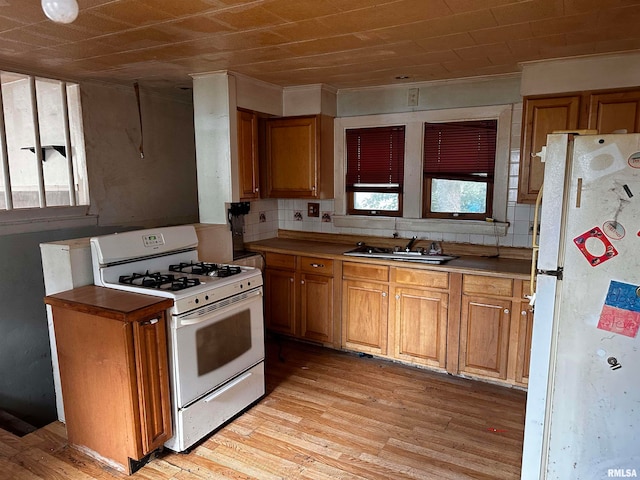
(212, 347)
(224, 341)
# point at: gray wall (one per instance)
(125, 190)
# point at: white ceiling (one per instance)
(343, 43)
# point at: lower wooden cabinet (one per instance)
(495, 329)
(365, 307)
(316, 308)
(419, 316)
(464, 324)
(112, 350)
(525, 334)
(484, 336)
(300, 297)
(280, 304)
(365, 316)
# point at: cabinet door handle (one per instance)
(384, 294)
(506, 310)
(301, 282)
(397, 297)
(153, 321)
(523, 313)
(317, 265)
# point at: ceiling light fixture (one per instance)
(60, 11)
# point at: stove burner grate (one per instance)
(158, 281)
(206, 268)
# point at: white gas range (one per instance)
(216, 327)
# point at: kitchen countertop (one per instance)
(516, 268)
(109, 303)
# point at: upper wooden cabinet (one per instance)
(248, 166)
(299, 157)
(541, 116)
(604, 111)
(615, 111)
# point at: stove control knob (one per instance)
(206, 297)
(197, 301)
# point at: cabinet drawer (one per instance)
(366, 271)
(279, 260)
(316, 266)
(421, 278)
(476, 284)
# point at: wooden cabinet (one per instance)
(419, 316)
(301, 297)
(280, 293)
(602, 111)
(484, 336)
(112, 350)
(525, 334)
(615, 111)
(540, 117)
(461, 323)
(248, 165)
(495, 328)
(365, 307)
(299, 157)
(317, 314)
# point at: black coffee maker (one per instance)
(235, 214)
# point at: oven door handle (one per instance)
(228, 386)
(183, 322)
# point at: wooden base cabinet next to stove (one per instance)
(112, 348)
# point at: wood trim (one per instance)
(453, 319)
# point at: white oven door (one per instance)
(215, 343)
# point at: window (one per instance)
(413, 218)
(42, 144)
(375, 170)
(458, 169)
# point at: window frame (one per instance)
(44, 216)
(465, 177)
(397, 189)
(412, 219)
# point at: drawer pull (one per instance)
(150, 322)
(317, 265)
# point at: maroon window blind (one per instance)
(375, 156)
(460, 148)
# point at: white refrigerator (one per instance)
(583, 402)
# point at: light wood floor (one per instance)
(326, 415)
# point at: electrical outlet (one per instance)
(412, 97)
(313, 209)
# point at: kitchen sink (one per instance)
(397, 253)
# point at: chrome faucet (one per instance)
(410, 244)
